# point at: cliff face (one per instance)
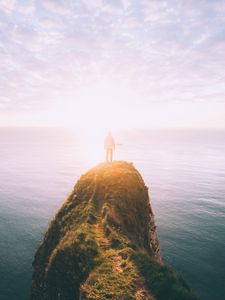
(102, 243)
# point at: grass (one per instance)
(98, 247)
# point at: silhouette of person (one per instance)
(109, 147)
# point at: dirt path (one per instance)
(119, 262)
(102, 240)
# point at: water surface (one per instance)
(185, 172)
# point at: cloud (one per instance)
(108, 7)
(160, 51)
(56, 7)
(27, 8)
(126, 4)
(158, 11)
(93, 4)
(7, 6)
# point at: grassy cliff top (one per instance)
(102, 243)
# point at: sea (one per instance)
(184, 170)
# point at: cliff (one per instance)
(102, 244)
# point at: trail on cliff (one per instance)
(119, 265)
(102, 244)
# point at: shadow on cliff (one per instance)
(102, 244)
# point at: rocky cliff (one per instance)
(102, 244)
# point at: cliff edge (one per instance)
(102, 244)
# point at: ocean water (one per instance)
(185, 172)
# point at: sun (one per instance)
(96, 110)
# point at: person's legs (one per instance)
(111, 155)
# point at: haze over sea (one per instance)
(185, 172)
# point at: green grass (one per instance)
(98, 244)
(164, 283)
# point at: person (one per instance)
(109, 147)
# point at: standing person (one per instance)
(109, 147)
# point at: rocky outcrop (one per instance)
(102, 244)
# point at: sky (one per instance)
(112, 63)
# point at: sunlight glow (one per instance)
(92, 145)
(102, 106)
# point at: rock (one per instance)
(102, 244)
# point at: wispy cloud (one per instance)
(161, 51)
(7, 6)
(56, 7)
